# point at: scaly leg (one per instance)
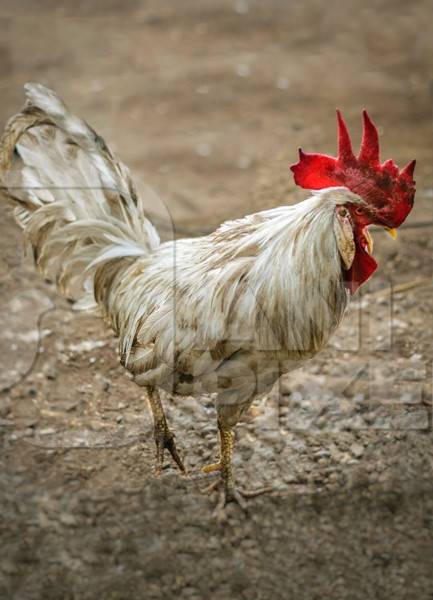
(223, 465)
(226, 455)
(229, 491)
(164, 438)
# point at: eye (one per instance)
(359, 211)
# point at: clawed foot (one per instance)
(164, 440)
(229, 493)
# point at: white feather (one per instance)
(226, 313)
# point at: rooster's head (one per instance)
(385, 193)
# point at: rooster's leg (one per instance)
(224, 464)
(230, 493)
(226, 467)
(164, 437)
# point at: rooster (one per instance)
(225, 314)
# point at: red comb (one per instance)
(384, 186)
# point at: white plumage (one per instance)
(225, 314)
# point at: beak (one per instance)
(369, 241)
(391, 232)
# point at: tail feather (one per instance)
(75, 201)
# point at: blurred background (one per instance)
(207, 103)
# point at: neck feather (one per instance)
(297, 276)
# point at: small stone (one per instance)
(106, 384)
(357, 450)
(30, 422)
(283, 83)
(243, 70)
(380, 466)
(296, 398)
(346, 459)
(369, 418)
(322, 454)
(242, 7)
(413, 374)
(321, 422)
(51, 372)
(87, 346)
(47, 431)
(68, 520)
(410, 397)
(204, 150)
(70, 405)
(244, 162)
(333, 478)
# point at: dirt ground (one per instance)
(207, 103)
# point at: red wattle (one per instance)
(362, 268)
